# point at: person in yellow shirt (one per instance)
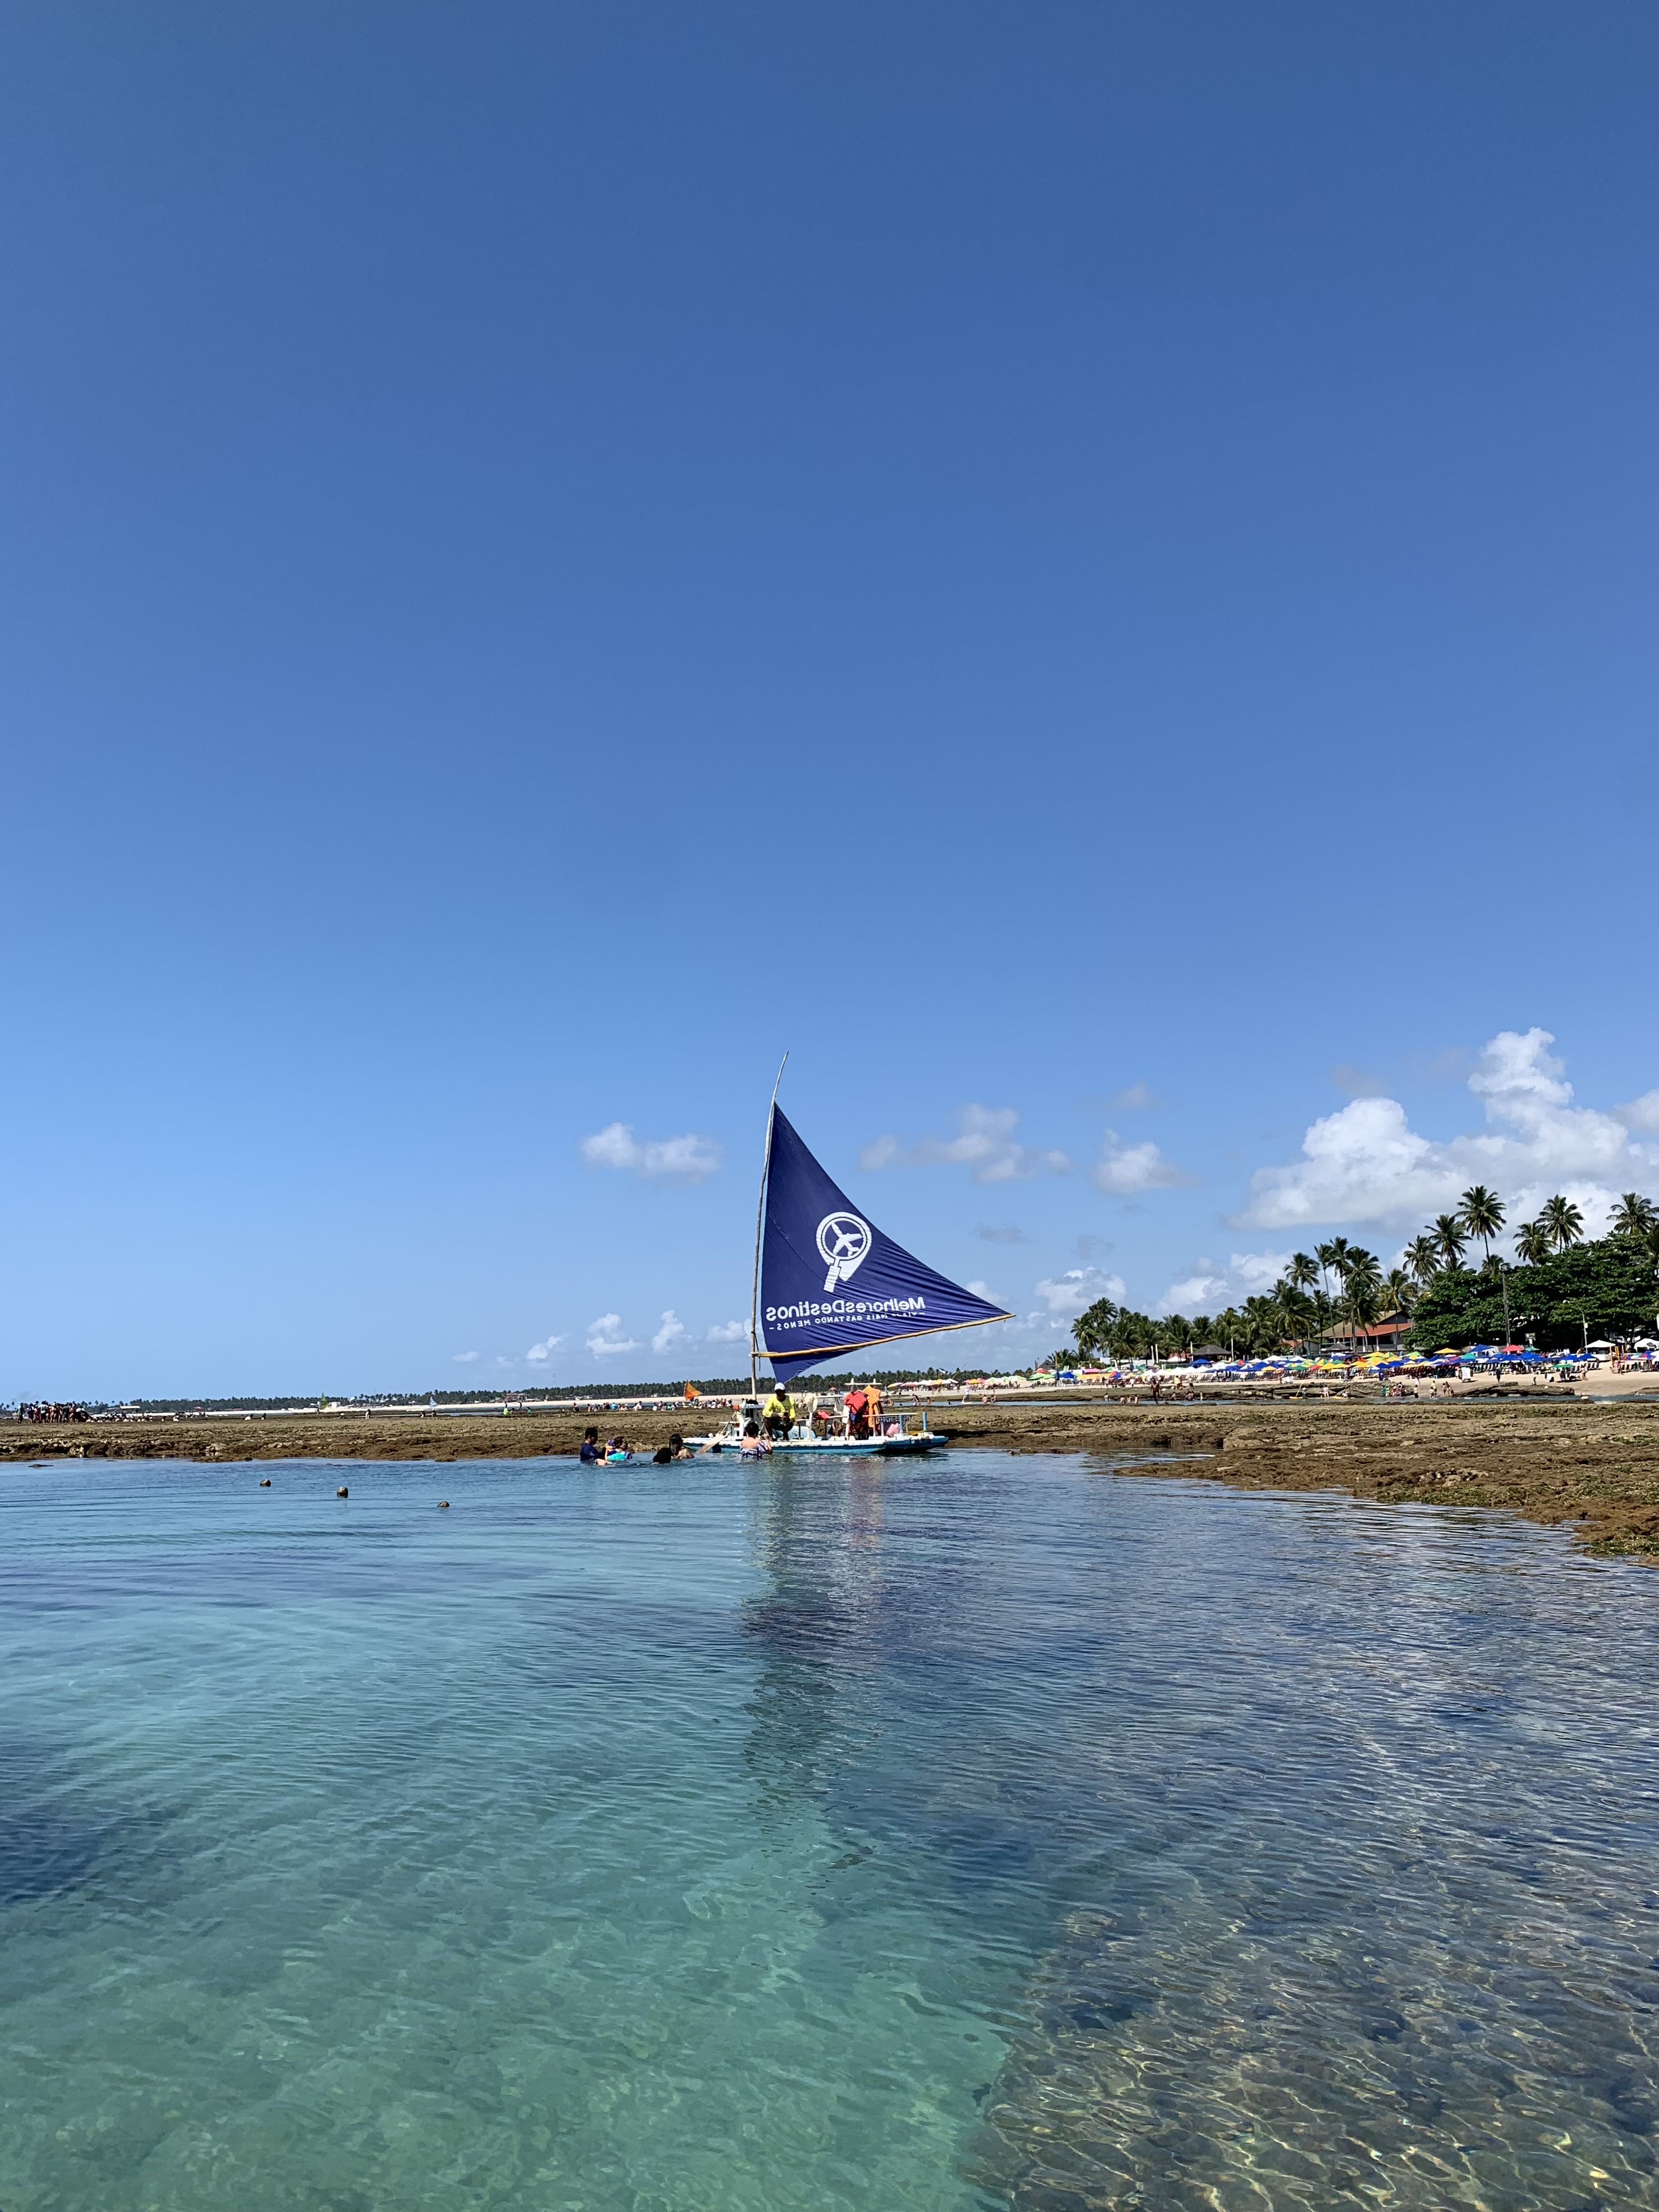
(778, 1413)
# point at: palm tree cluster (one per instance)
(1452, 1300)
(1558, 1226)
(1341, 1282)
(1339, 1285)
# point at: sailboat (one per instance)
(828, 1282)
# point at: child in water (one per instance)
(754, 1444)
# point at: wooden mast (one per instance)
(760, 1223)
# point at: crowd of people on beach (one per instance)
(53, 1412)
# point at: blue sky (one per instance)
(1085, 570)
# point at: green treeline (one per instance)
(1566, 1289)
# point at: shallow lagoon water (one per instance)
(982, 1833)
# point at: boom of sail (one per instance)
(829, 1281)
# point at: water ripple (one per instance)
(994, 1832)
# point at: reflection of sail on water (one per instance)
(828, 1282)
(814, 1622)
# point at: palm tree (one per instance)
(1303, 1273)
(1362, 1288)
(1266, 1319)
(1295, 1294)
(1632, 1214)
(1422, 1256)
(1398, 1290)
(1334, 1255)
(1532, 1243)
(1095, 1329)
(1449, 1237)
(1481, 1212)
(1564, 1220)
(1298, 1313)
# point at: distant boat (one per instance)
(828, 1282)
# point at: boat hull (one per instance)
(833, 1447)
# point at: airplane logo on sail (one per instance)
(844, 1242)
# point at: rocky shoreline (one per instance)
(1593, 1465)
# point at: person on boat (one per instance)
(822, 1421)
(589, 1451)
(872, 1392)
(778, 1413)
(857, 1403)
(754, 1444)
(665, 1455)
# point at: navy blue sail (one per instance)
(830, 1282)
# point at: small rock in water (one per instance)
(343, 1492)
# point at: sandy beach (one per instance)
(1594, 1464)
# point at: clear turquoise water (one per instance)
(996, 1831)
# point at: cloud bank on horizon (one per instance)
(1365, 1165)
(1364, 1168)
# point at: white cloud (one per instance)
(1123, 1169)
(1137, 1099)
(984, 1144)
(673, 1329)
(1256, 1272)
(545, 1350)
(981, 1291)
(728, 1332)
(1246, 1275)
(605, 1338)
(1193, 1294)
(1642, 1112)
(1366, 1163)
(659, 1159)
(1064, 1297)
(463, 1357)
